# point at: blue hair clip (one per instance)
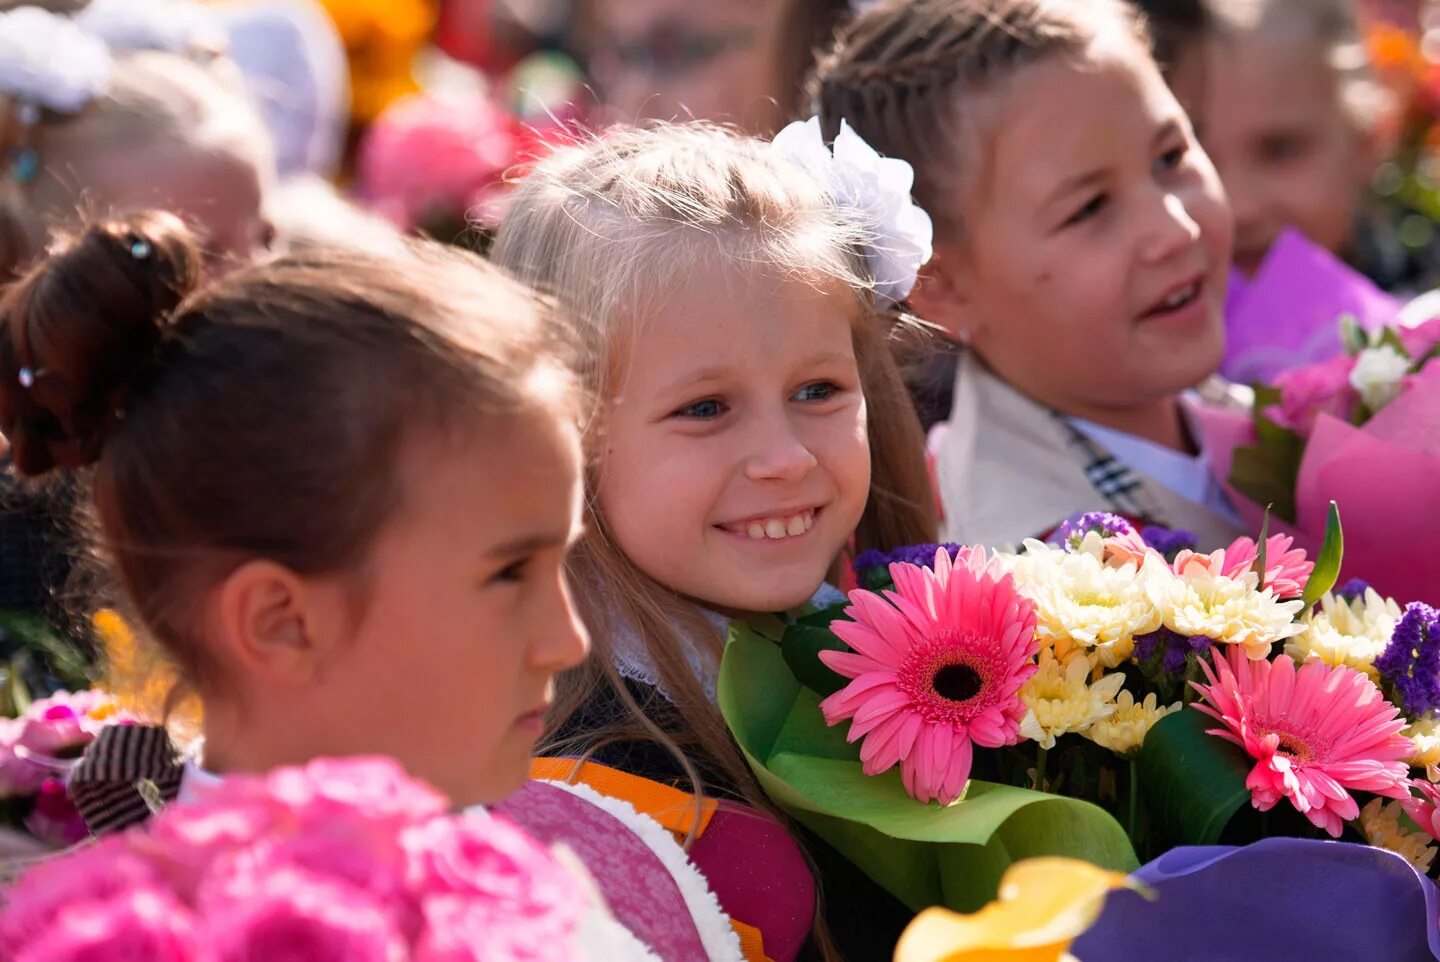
(140, 249)
(25, 165)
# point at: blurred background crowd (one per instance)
(274, 124)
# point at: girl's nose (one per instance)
(780, 454)
(1171, 230)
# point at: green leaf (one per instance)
(1262, 554)
(1194, 782)
(801, 648)
(1327, 564)
(1387, 337)
(923, 854)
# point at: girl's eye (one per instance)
(512, 573)
(1092, 207)
(701, 410)
(1174, 157)
(819, 391)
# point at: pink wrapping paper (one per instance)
(1288, 315)
(1385, 477)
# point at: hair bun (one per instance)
(79, 329)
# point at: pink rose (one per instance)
(1308, 392)
(94, 875)
(188, 838)
(137, 926)
(375, 789)
(484, 855)
(458, 929)
(55, 820)
(290, 915)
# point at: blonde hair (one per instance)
(610, 227)
(906, 75)
(1332, 26)
(153, 99)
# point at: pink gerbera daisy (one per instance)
(938, 664)
(1426, 809)
(1313, 732)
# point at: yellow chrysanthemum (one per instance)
(1228, 611)
(1060, 698)
(1424, 732)
(1381, 826)
(1124, 731)
(1079, 601)
(1043, 905)
(1352, 633)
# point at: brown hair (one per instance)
(609, 227)
(905, 74)
(1176, 26)
(261, 416)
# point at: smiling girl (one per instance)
(1081, 253)
(751, 425)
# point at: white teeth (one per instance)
(776, 529)
(1181, 297)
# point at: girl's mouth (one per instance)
(1178, 298)
(776, 527)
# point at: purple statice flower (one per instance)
(1411, 662)
(1172, 647)
(921, 555)
(1072, 532)
(1352, 589)
(1168, 542)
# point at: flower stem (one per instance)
(1040, 756)
(1134, 799)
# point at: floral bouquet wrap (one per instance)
(1361, 429)
(337, 860)
(1108, 697)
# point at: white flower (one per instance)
(1124, 732)
(1228, 611)
(48, 60)
(877, 189)
(1059, 698)
(175, 26)
(1379, 375)
(1079, 600)
(1424, 732)
(1352, 633)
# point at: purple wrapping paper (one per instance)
(1277, 900)
(1288, 315)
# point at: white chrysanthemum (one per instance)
(1351, 633)
(1124, 731)
(1228, 611)
(1381, 826)
(1379, 375)
(1079, 601)
(49, 60)
(1425, 733)
(1060, 698)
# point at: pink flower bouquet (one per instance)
(36, 751)
(1362, 430)
(339, 860)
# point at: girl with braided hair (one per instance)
(1082, 245)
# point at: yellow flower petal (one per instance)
(1043, 905)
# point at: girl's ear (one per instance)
(276, 625)
(941, 295)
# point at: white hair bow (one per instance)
(877, 190)
(50, 61)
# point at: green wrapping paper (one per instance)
(922, 854)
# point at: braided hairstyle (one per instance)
(904, 75)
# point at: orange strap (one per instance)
(674, 809)
(752, 943)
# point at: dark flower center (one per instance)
(1292, 746)
(957, 683)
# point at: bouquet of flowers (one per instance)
(1361, 430)
(37, 749)
(337, 860)
(1112, 693)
